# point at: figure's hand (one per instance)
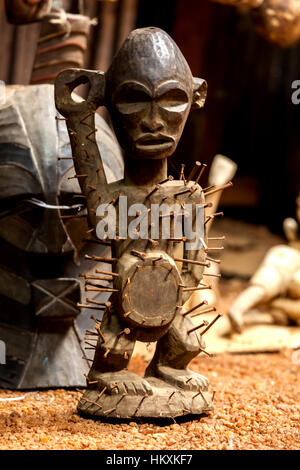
(68, 80)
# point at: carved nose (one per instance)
(152, 121)
(152, 125)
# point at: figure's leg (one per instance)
(173, 353)
(111, 360)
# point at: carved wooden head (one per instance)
(149, 93)
(148, 89)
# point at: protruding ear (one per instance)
(199, 93)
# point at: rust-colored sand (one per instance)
(257, 406)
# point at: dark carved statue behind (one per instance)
(42, 228)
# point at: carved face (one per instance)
(149, 93)
(151, 119)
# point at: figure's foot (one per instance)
(122, 382)
(166, 401)
(182, 378)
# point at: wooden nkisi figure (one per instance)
(149, 91)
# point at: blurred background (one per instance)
(249, 115)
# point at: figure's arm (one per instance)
(26, 11)
(80, 120)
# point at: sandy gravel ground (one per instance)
(257, 406)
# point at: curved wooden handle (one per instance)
(68, 80)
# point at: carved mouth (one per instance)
(150, 142)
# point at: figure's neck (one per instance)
(145, 172)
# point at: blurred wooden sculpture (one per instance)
(275, 287)
(278, 21)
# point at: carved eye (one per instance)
(175, 100)
(131, 101)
